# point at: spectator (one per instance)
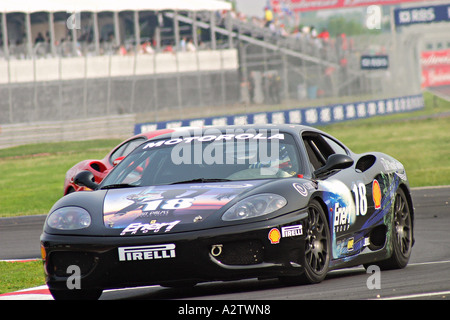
(324, 35)
(190, 46)
(277, 89)
(268, 16)
(251, 87)
(147, 48)
(122, 50)
(183, 44)
(168, 48)
(39, 38)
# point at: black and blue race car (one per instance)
(228, 203)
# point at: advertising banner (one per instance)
(312, 116)
(312, 5)
(435, 68)
(377, 62)
(424, 14)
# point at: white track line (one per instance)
(444, 294)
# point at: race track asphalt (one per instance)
(427, 276)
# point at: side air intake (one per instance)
(365, 162)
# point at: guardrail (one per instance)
(313, 116)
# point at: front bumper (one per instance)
(249, 250)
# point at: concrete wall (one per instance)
(91, 67)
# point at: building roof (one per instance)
(30, 6)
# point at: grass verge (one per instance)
(20, 275)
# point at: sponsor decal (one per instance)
(341, 217)
(350, 244)
(366, 242)
(207, 138)
(151, 252)
(274, 236)
(131, 209)
(292, 231)
(376, 194)
(144, 228)
(301, 189)
(286, 232)
(392, 165)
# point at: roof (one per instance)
(30, 6)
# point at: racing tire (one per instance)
(401, 234)
(76, 294)
(317, 248)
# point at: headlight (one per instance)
(69, 218)
(254, 206)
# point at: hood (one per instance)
(158, 209)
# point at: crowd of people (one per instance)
(281, 28)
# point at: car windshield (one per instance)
(208, 157)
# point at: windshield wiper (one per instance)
(118, 186)
(201, 180)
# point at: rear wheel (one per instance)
(401, 236)
(317, 247)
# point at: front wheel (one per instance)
(317, 247)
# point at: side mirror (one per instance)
(334, 162)
(86, 179)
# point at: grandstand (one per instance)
(64, 60)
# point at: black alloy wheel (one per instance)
(317, 248)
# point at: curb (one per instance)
(20, 260)
(36, 293)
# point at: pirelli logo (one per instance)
(153, 252)
(292, 231)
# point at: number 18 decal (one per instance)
(359, 191)
(171, 204)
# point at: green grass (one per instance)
(33, 175)
(20, 275)
(423, 146)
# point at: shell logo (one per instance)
(274, 236)
(376, 194)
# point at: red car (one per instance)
(100, 168)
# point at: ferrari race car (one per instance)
(227, 203)
(100, 168)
